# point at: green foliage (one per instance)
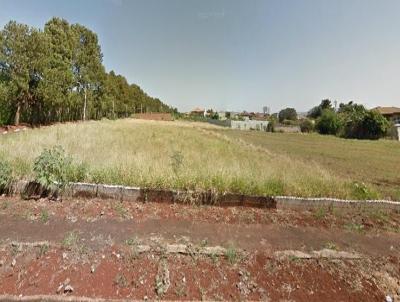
(5, 175)
(306, 125)
(51, 168)
(317, 111)
(231, 255)
(287, 114)
(271, 126)
(328, 123)
(57, 75)
(361, 123)
(362, 192)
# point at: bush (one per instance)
(365, 124)
(287, 114)
(307, 126)
(328, 123)
(271, 126)
(362, 192)
(5, 175)
(51, 168)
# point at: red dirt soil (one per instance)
(93, 245)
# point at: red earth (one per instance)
(81, 249)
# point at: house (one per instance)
(393, 115)
(199, 112)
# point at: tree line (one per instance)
(350, 120)
(57, 75)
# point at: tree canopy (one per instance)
(56, 74)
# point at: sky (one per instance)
(241, 55)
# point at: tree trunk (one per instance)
(84, 106)
(17, 114)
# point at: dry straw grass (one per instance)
(172, 155)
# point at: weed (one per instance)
(70, 240)
(204, 243)
(51, 168)
(43, 249)
(379, 215)
(133, 244)
(5, 175)
(231, 255)
(363, 192)
(44, 216)
(320, 213)
(331, 246)
(214, 258)
(293, 258)
(355, 227)
(121, 210)
(120, 281)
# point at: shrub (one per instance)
(287, 114)
(365, 124)
(307, 126)
(51, 168)
(271, 126)
(328, 123)
(363, 192)
(5, 175)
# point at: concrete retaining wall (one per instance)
(136, 194)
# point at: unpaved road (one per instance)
(94, 249)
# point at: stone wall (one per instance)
(136, 194)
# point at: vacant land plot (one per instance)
(375, 163)
(199, 156)
(59, 251)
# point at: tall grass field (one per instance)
(199, 156)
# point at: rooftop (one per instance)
(388, 110)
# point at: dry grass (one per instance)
(178, 155)
(375, 163)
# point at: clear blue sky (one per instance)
(236, 55)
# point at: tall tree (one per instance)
(87, 63)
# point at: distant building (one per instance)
(250, 125)
(393, 115)
(198, 112)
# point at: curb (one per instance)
(136, 194)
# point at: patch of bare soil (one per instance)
(121, 250)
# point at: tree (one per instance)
(287, 114)
(306, 125)
(316, 111)
(23, 53)
(87, 63)
(361, 123)
(328, 123)
(57, 75)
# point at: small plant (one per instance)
(120, 281)
(5, 175)
(120, 209)
(43, 249)
(44, 216)
(176, 161)
(51, 168)
(231, 255)
(320, 213)
(70, 240)
(331, 246)
(355, 227)
(362, 192)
